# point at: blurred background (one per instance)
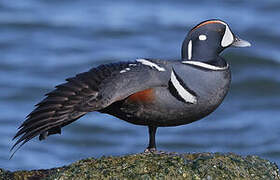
(43, 42)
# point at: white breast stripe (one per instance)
(204, 65)
(190, 50)
(227, 38)
(188, 97)
(151, 64)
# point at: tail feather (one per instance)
(55, 111)
(63, 105)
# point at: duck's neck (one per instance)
(218, 62)
(205, 57)
(202, 53)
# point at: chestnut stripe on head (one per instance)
(208, 22)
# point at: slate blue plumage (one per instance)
(149, 92)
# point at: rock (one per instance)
(198, 166)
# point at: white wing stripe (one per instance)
(151, 64)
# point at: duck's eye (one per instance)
(202, 37)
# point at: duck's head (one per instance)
(208, 39)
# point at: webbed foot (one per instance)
(150, 150)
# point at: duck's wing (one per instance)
(88, 91)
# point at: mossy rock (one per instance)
(204, 166)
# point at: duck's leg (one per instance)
(152, 140)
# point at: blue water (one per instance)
(44, 42)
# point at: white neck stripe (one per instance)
(188, 97)
(204, 65)
(190, 50)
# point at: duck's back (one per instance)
(187, 93)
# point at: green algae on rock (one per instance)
(198, 166)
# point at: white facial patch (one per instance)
(202, 37)
(206, 66)
(151, 64)
(190, 50)
(183, 93)
(228, 37)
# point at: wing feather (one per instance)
(61, 106)
(89, 91)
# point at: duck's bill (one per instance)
(240, 43)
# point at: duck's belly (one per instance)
(159, 107)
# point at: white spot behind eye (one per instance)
(202, 37)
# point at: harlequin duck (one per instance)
(149, 92)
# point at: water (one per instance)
(44, 42)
